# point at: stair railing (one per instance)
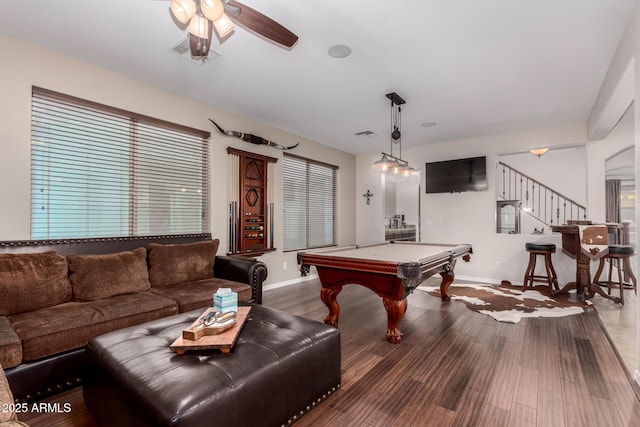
(538, 200)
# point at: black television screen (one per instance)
(458, 175)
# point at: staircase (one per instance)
(536, 199)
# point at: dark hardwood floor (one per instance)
(453, 368)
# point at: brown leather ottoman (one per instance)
(281, 366)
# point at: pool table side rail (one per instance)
(435, 263)
(356, 264)
(419, 269)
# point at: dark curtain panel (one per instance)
(612, 199)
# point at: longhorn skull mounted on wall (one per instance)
(253, 139)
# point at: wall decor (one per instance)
(253, 139)
(368, 195)
(250, 207)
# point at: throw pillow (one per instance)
(32, 281)
(181, 263)
(95, 277)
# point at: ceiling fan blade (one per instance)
(261, 24)
(200, 47)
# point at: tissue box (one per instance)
(224, 300)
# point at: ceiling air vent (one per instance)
(365, 134)
(182, 50)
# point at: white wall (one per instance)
(26, 65)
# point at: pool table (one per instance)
(392, 270)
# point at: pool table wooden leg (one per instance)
(395, 310)
(328, 297)
(447, 280)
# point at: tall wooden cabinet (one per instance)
(250, 215)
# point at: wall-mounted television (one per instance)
(452, 176)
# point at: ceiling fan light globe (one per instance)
(223, 26)
(199, 27)
(182, 10)
(212, 9)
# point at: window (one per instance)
(98, 171)
(309, 203)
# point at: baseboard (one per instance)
(480, 280)
(295, 281)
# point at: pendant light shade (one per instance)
(385, 164)
(402, 168)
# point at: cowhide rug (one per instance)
(508, 303)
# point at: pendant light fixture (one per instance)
(394, 166)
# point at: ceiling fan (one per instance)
(203, 15)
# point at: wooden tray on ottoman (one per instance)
(223, 341)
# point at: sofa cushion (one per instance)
(199, 294)
(70, 325)
(181, 263)
(95, 277)
(32, 281)
(10, 345)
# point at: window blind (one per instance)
(309, 203)
(98, 171)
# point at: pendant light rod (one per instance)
(395, 167)
(392, 156)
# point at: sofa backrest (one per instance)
(32, 281)
(102, 245)
(29, 282)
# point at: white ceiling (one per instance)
(475, 67)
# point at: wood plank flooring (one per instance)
(453, 368)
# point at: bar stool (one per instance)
(618, 254)
(544, 249)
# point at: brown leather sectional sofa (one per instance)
(57, 295)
